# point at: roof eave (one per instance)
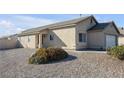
(116, 27)
(26, 34)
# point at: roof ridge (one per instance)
(72, 21)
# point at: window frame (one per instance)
(82, 37)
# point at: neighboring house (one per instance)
(77, 34)
(9, 42)
(121, 36)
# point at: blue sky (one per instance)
(11, 24)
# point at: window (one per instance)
(82, 37)
(51, 37)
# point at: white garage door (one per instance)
(110, 41)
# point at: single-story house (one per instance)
(80, 33)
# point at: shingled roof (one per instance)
(55, 25)
(102, 26)
(99, 26)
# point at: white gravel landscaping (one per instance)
(14, 64)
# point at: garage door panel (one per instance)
(110, 41)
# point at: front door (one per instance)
(37, 41)
(43, 39)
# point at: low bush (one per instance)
(54, 54)
(44, 56)
(117, 51)
(40, 57)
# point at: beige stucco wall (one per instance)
(82, 27)
(95, 39)
(121, 40)
(63, 38)
(31, 43)
(6, 43)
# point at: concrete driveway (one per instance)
(14, 64)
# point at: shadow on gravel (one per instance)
(70, 58)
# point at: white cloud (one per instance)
(30, 21)
(6, 24)
(18, 23)
(8, 28)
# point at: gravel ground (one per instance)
(14, 64)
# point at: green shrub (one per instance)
(43, 56)
(40, 57)
(54, 54)
(117, 52)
